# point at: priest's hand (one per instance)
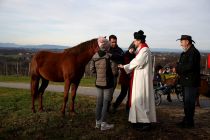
(120, 66)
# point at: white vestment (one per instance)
(142, 108)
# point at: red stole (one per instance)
(132, 74)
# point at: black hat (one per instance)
(139, 35)
(186, 37)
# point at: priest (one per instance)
(142, 103)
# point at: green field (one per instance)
(85, 81)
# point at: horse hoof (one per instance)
(63, 113)
(41, 110)
(73, 113)
(33, 110)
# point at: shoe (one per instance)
(189, 125)
(98, 124)
(113, 108)
(106, 126)
(184, 124)
(127, 111)
(146, 128)
(137, 126)
(181, 124)
(169, 98)
(142, 126)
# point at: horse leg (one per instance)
(73, 96)
(34, 90)
(66, 92)
(41, 92)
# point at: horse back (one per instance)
(50, 65)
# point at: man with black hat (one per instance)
(188, 69)
(142, 103)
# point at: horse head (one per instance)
(94, 47)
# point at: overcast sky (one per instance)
(69, 22)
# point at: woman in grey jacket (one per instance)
(101, 65)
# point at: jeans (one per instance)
(103, 98)
(113, 89)
(189, 103)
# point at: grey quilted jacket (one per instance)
(103, 67)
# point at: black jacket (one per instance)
(116, 58)
(117, 55)
(188, 67)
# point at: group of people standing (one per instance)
(136, 79)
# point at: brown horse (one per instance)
(67, 66)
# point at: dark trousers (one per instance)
(122, 95)
(189, 103)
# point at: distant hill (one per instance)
(161, 50)
(165, 50)
(61, 47)
(171, 50)
(44, 46)
(174, 50)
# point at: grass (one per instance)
(14, 78)
(18, 122)
(85, 81)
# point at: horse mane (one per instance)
(81, 47)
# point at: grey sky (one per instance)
(69, 22)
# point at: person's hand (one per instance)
(120, 66)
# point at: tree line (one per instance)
(18, 63)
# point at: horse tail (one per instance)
(34, 78)
(33, 65)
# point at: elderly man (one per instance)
(188, 69)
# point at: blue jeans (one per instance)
(104, 96)
(113, 89)
(189, 103)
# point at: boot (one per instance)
(113, 109)
(106, 126)
(169, 98)
(98, 124)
